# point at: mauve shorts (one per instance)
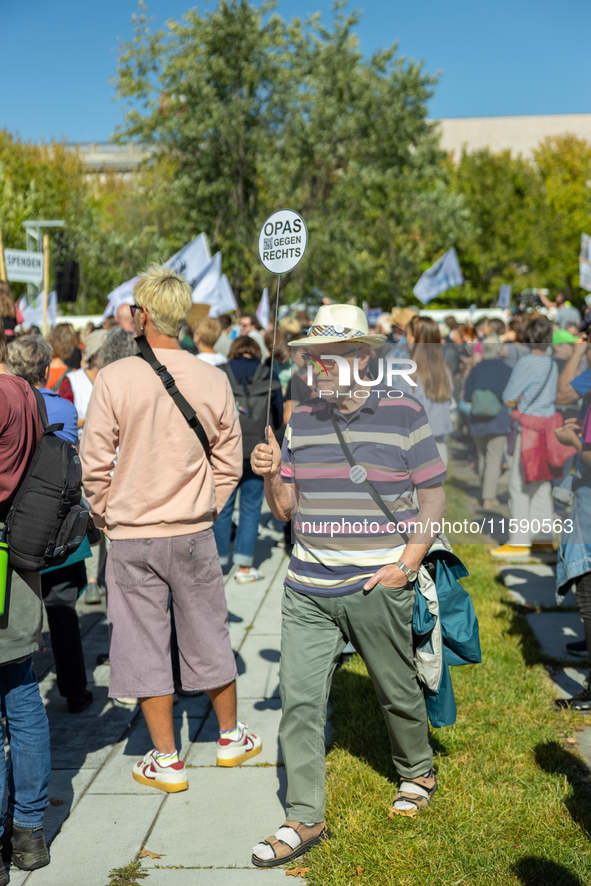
(140, 574)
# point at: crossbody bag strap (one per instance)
(41, 407)
(169, 383)
(57, 385)
(546, 380)
(367, 485)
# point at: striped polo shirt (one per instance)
(341, 535)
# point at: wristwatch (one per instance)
(410, 573)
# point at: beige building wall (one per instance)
(519, 134)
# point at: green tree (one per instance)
(564, 164)
(255, 114)
(507, 237)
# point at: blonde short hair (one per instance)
(166, 296)
(208, 330)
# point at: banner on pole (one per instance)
(282, 241)
(33, 311)
(263, 311)
(443, 275)
(224, 300)
(23, 266)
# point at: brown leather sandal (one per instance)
(283, 852)
(420, 801)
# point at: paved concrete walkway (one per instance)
(100, 817)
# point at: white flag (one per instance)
(264, 310)
(225, 299)
(33, 311)
(205, 285)
(191, 259)
(121, 295)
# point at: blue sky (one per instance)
(506, 57)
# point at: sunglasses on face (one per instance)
(133, 308)
(314, 360)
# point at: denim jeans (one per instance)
(27, 731)
(251, 498)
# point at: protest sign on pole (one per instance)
(282, 243)
(440, 277)
(263, 311)
(585, 263)
(23, 266)
(504, 296)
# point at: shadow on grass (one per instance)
(553, 758)
(534, 871)
(519, 627)
(357, 722)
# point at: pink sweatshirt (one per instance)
(160, 484)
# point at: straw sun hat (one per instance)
(336, 323)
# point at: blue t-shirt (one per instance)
(582, 382)
(63, 412)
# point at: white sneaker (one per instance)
(233, 752)
(171, 778)
(253, 574)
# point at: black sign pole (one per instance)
(272, 361)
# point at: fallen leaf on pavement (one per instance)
(297, 872)
(145, 853)
(55, 802)
(571, 741)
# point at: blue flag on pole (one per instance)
(440, 277)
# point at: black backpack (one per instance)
(45, 523)
(251, 403)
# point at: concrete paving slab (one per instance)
(262, 716)
(569, 681)
(533, 585)
(17, 878)
(554, 630)
(105, 832)
(84, 741)
(584, 745)
(259, 668)
(66, 787)
(195, 829)
(115, 776)
(217, 877)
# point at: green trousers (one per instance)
(314, 632)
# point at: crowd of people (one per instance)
(182, 432)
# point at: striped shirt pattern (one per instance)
(392, 440)
(530, 376)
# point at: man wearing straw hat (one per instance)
(359, 451)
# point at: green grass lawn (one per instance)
(513, 804)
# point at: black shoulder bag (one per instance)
(147, 354)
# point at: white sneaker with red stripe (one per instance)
(233, 752)
(170, 778)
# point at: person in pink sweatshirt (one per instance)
(156, 494)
